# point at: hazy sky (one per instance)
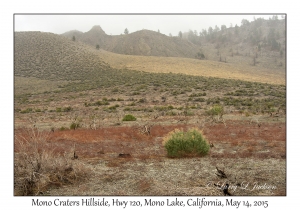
(115, 24)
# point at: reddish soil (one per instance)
(236, 139)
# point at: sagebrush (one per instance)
(129, 117)
(191, 143)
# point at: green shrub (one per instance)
(115, 90)
(148, 110)
(127, 109)
(128, 117)
(170, 107)
(163, 108)
(188, 112)
(142, 100)
(199, 99)
(101, 103)
(132, 104)
(180, 108)
(190, 143)
(135, 93)
(63, 128)
(111, 108)
(216, 110)
(74, 125)
(171, 113)
(67, 109)
(28, 110)
(197, 94)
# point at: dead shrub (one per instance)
(37, 166)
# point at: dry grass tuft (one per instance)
(37, 166)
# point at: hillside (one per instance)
(258, 43)
(195, 67)
(144, 42)
(53, 57)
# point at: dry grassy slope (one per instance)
(93, 37)
(144, 42)
(235, 45)
(50, 56)
(150, 43)
(194, 67)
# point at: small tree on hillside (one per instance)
(73, 38)
(217, 29)
(210, 30)
(236, 29)
(245, 22)
(203, 33)
(200, 55)
(223, 27)
(97, 47)
(126, 31)
(180, 34)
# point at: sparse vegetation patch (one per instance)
(39, 166)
